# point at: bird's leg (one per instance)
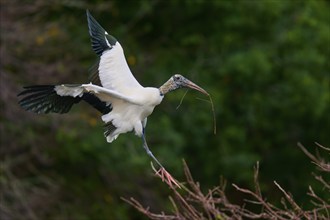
(162, 172)
(145, 145)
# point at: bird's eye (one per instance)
(177, 77)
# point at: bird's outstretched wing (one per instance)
(60, 98)
(45, 99)
(113, 70)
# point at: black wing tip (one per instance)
(101, 40)
(90, 19)
(43, 99)
(93, 25)
(35, 88)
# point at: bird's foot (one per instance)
(166, 177)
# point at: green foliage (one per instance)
(265, 64)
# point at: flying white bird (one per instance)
(124, 103)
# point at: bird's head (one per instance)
(177, 81)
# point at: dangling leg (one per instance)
(162, 173)
(145, 145)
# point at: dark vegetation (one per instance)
(265, 63)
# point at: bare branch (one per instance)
(191, 203)
(295, 206)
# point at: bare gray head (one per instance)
(178, 81)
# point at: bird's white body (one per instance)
(131, 103)
(127, 116)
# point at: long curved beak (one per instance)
(189, 84)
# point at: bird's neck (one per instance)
(167, 87)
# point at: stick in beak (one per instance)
(187, 83)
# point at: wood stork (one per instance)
(124, 103)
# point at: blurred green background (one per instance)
(265, 63)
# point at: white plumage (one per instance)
(114, 72)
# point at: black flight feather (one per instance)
(44, 99)
(94, 73)
(101, 41)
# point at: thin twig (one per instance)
(295, 206)
(213, 112)
(182, 99)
